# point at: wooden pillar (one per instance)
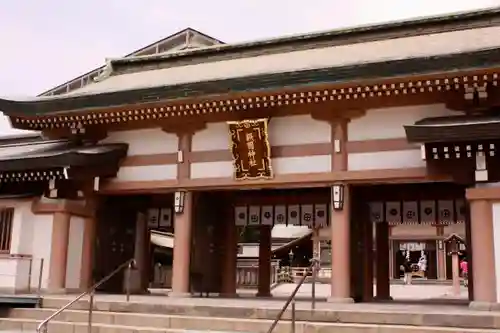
(86, 280)
(441, 262)
(139, 281)
(455, 262)
(264, 287)
(182, 249)
(391, 257)
(483, 272)
(340, 240)
(367, 260)
(441, 254)
(59, 252)
(382, 259)
(230, 258)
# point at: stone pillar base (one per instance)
(484, 306)
(179, 295)
(263, 295)
(340, 300)
(383, 298)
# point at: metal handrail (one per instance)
(291, 298)
(129, 264)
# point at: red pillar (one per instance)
(483, 271)
(340, 240)
(182, 249)
(59, 252)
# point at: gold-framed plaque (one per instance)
(250, 148)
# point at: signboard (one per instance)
(250, 149)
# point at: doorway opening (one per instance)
(400, 231)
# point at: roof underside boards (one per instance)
(183, 40)
(454, 129)
(443, 64)
(58, 154)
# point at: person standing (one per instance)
(408, 271)
(422, 264)
(464, 267)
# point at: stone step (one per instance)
(245, 324)
(447, 318)
(29, 325)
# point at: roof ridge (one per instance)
(403, 23)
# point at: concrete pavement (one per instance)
(398, 292)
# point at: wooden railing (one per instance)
(247, 274)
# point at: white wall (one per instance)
(31, 243)
(146, 142)
(147, 172)
(75, 247)
(298, 130)
(218, 169)
(31, 236)
(388, 123)
(41, 247)
(214, 137)
(376, 124)
(406, 230)
(283, 131)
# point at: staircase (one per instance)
(154, 314)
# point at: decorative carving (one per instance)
(294, 215)
(280, 215)
(241, 216)
(445, 212)
(393, 212)
(250, 149)
(254, 215)
(267, 217)
(307, 215)
(410, 212)
(428, 212)
(320, 215)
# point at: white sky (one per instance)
(47, 42)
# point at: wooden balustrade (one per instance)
(247, 274)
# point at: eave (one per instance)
(408, 76)
(454, 129)
(44, 160)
